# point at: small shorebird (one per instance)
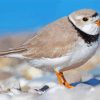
(64, 44)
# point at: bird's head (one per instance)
(86, 20)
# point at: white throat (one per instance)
(90, 28)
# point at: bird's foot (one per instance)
(62, 80)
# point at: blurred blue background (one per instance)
(29, 15)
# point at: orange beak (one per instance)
(98, 22)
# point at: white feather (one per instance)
(15, 55)
(81, 52)
(91, 29)
(79, 17)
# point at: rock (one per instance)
(29, 72)
(5, 75)
(15, 91)
(10, 84)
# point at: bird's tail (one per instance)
(17, 53)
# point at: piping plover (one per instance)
(64, 44)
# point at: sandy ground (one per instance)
(20, 81)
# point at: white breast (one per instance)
(81, 52)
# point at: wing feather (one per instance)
(54, 40)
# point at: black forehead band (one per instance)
(95, 14)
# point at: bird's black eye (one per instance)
(85, 19)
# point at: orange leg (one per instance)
(62, 80)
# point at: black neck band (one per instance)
(86, 37)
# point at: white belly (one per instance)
(81, 53)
